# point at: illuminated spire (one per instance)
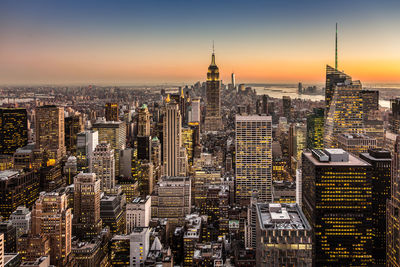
(168, 99)
(336, 61)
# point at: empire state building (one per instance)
(212, 121)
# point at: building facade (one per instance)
(253, 157)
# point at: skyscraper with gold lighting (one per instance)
(213, 121)
(13, 129)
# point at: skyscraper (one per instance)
(103, 165)
(112, 112)
(213, 121)
(50, 131)
(87, 141)
(86, 222)
(370, 100)
(315, 129)
(392, 211)
(284, 236)
(73, 126)
(17, 188)
(253, 157)
(172, 135)
(345, 115)
(52, 217)
(13, 129)
(287, 107)
(114, 133)
(381, 162)
(333, 78)
(395, 116)
(143, 121)
(337, 201)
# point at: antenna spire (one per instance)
(213, 46)
(336, 60)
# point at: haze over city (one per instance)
(132, 42)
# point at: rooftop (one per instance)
(253, 118)
(333, 157)
(5, 175)
(281, 217)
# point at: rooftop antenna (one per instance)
(336, 61)
(213, 46)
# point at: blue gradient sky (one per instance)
(117, 42)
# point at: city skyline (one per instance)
(156, 42)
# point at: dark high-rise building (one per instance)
(287, 106)
(17, 188)
(144, 148)
(395, 116)
(370, 100)
(10, 237)
(73, 126)
(333, 77)
(315, 129)
(86, 221)
(337, 201)
(393, 211)
(112, 213)
(50, 131)
(381, 162)
(212, 121)
(112, 112)
(13, 129)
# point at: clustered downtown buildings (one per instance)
(208, 175)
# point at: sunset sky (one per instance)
(123, 42)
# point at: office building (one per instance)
(337, 202)
(21, 220)
(356, 143)
(315, 129)
(195, 114)
(73, 126)
(392, 210)
(345, 115)
(212, 120)
(253, 157)
(87, 141)
(112, 212)
(114, 133)
(112, 112)
(50, 131)
(13, 129)
(17, 188)
(103, 165)
(381, 162)
(395, 116)
(171, 198)
(143, 121)
(287, 107)
(52, 217)
(283, 236)
(172, 136)
(138, 213)
(139, 245)
(333, 78)
(86, 221)
(370, 100)
(70, 170)
(10, 236)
